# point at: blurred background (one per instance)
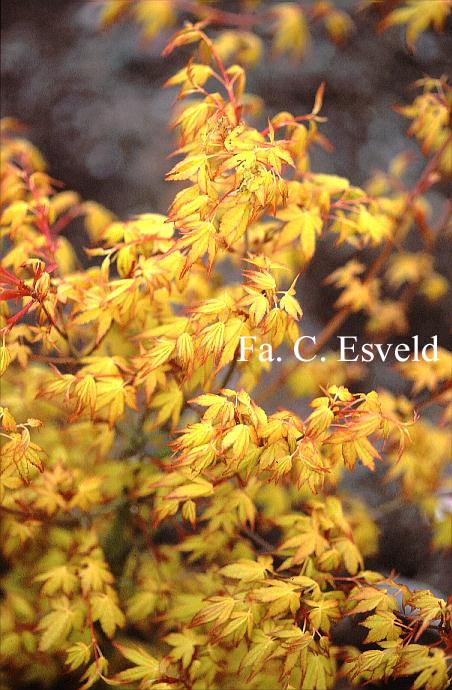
(94, 106)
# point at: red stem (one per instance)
(227, 82)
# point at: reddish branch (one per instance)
(217, 16)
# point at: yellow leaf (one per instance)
(106, 611)
(238, 439)
(5, 359)
(382, 626)
(145, 669)
(217, 608)
(187, 168)
(199, 488)
(234, 222)
(58, 578)
(56, 625)
(246, 570)
(292, 33)
(78, 655)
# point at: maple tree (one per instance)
(161, 529)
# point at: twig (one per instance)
(257, 539)
(53, 322)
(434, 397)
(227, 82)
(64, 520)
(49, 359)
(216, 16)
(229, 372)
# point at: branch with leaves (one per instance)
(161, 528)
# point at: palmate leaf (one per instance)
(418, 18)
(21, 454)
(430, 666)
(279, 596)
(325, 612)
(369, 598)
(382, 625)
(184, 645)
(145, 667)
(59, 578)
(57, 624)
(234, 222)
(247, 570)
(200, 487)
(260, 651)
(78, 655)
(94, 573)
(141, 605)
(319, 672)
(376, 664)
(240, 624)
(237, 439)
(168, 405)
(294, 644)
(217, 608)
(107, 612)
(350, 554)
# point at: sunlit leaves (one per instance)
(165, 503)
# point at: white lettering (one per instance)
(383, 355)
(344, 347)
(296, 348)
(266, 354)
(245, 348)
(405, 348)
(367, 350)
(434, 345)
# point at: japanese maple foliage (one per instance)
(161, 527)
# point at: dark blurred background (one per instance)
(94, 106)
